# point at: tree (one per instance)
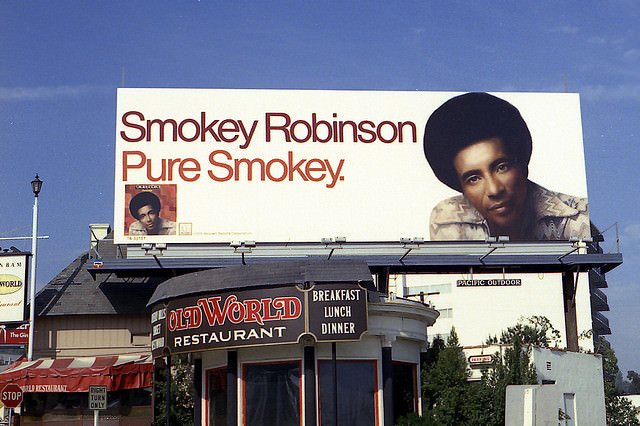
(620, 411)
(182, 393)
(634, 385)
(535, 330)
(444, 384)
(514, 367)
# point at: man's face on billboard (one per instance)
(148, 217)
(494, 183)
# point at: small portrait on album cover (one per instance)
(150, 209)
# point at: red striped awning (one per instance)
(78, 373)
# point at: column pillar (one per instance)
(310, 385)
(232, 388)
(387, 380)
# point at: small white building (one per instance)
(571, 391)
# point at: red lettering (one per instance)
(320, 168)
(271, 176)
(185, 168)
(296, 168)
(283, 128)
(315, 124)
(291, 305)
(211, 309)
(222, 130)
(171, 321)
(180, 320)
(194, 316)
(293, 131)
(207, 128)
(125, 162)
(235, 307)
(253, 311)
(227, 167)
(266, 311)
(394, 130)
(249, 164)
(196, 126)
(367, 131)
(127, 123)
(161, 124)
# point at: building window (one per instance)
(272, 393)
(217, 396)
(405, 400)
(569, 413)
(430, 289)
(356, 387)
(445, 313)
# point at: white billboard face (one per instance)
(484, 305)
(13, 273)
(207, 166)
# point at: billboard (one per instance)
(214, 166)
(13, 284)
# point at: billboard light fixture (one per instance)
(146, 246)
(235, 244)
(326, 240)
(249, 243)
(503, 238)
(341, 239)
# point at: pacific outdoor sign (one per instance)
(258, 317)
(499, 282)
(227, 165)
(13, 283)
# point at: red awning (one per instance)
(78, 373)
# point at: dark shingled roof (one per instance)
(74, 291)
(265, 275)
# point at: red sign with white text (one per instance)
(11, 395)
(14, 335)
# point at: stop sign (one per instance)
(11, 395)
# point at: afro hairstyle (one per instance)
(469, 118)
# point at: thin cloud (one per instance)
(623, 92)
(632, 54)
(597, 40)
(566, 29)
(632, 232)
(49, 93)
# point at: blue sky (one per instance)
(61, 62)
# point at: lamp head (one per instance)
(36, 185)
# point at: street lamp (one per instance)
(36, 186)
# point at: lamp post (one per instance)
(36, 186)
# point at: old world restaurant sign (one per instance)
(331, 312)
